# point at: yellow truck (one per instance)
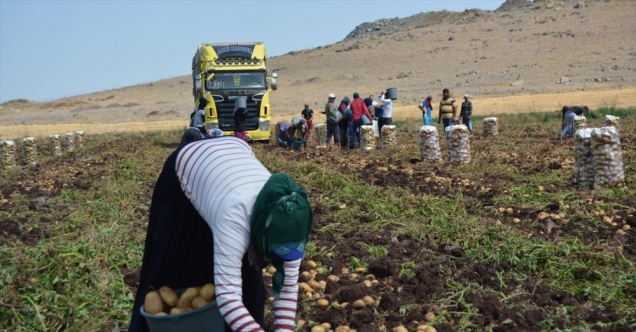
(223, 72)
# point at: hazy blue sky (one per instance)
(56, 49)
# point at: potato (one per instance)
(357, 304)
(368, 299)
(368, 283)
(153, 303)
(313, 284)
(311, 264)
(333, 278)
(176, 311)
(429, 316)
(422, 328)
(509, 211)
(208, 292)
(342, 328)
(168, 296)
(326, 326)
(430, 329)
(323, 303)
(271, 270)
(400, 329)
(185, 301)
(626, 228)
(322, 284)
(161, 313)
(360, 270)
(198, 302)
(317, 328)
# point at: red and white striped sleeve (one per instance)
(285, 307)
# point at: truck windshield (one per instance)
(237, 81)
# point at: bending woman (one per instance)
(255, 218)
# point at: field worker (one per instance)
(308, 115)
(299, 129)
(332, 120)
(346, 123)
(358, 110)
(370, 103)
(567, 119)
(447, 109)
(190, 135)
(385, 116)
(240, 115)
(427, 110)
(466, 112)
(217, 214)
(197, 118)
(283, 136)
(215, 132)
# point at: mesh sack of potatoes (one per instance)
(491, 127)
(69, 142)
(428, 142)
(320, 133)
(608, 164)
(55, 145)
(612, 121)
(7, 153)
(387, 136)
(458, 144)
(367, 138)
(580, 122)
(583, 157)
(79, 139)
(29, 150)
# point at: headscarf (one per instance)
(215, 132)
(190, 135)
(281, 219)
(428, 101)
(203, 103)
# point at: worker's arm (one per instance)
(439, 119)
(286, 306)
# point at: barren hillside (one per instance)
(522, 49)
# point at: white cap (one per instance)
(331, 95)
(466, 96)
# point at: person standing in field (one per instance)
(308, 114)
(358, 110)
(427, 110)
(197, 118)
(332, 120)
(386, 115)
(218, 215)
(447, 109)
(467, 113)
(370, 103)
(345, 123)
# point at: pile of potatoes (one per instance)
(428, 142)
(7, 153)
(320, 133)
(166, 302)
(608, 164)
(69, 141)
(367, 138)
(491, 127)
(580, 122)
(30, 150)
(79, 139)
(583, 157)
(612, 121)
(387, 136)
(55, 145)
(458, 144)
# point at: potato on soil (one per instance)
(357, 304)
(153, 303)
(208, 292)
(342, 328)
(311, 264)
(198, 302)
(400, 329)
(185, 301)
(168, 296)
(317, 328)
(326, 326)
(429, 316)
(323, 303)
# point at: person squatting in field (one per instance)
(282, 133)
(299, 130)
(308, 114)
(567, 119)
(427, 110)
(217, 214)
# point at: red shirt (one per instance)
(358, 108)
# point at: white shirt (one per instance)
(222, 177)
(387, 107)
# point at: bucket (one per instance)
(391, 93)
(365, 120)
(206, 318)
(297, 144)
(241, 102)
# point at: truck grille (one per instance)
(225, 111)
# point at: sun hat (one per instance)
(331, 96)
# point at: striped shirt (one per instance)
(447, 107)
(222, 178)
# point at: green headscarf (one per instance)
(281, 215)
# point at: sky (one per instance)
(57, 49)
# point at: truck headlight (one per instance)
(263, 126)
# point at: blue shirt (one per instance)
(429, 109)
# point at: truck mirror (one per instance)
(197, 82)
(273, 84)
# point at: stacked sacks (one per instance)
(579, 123)
(491, 127)
(69, 141)
(608, 164)
(29, 150)
(429, 144)
(367, 138)
(387, 136)
(55, 145)
(612, 121)
(583, 157)
(320, 133)
(7, 153)
(79, 139)
(458, 144)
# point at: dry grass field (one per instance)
(508, 61)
